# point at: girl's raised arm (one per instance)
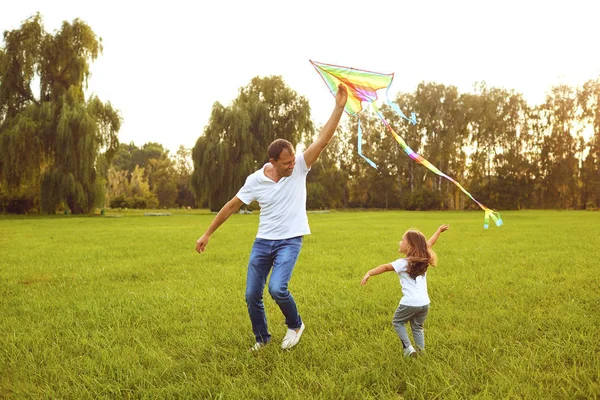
(437, 233)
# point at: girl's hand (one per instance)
(365, 279)
(444, 227)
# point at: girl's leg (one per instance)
(416, 325)
(402, 316)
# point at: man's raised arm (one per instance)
(314, 150)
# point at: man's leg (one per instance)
(258, 269)
(286, 254)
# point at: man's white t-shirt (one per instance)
(282, 204)
(414, 291)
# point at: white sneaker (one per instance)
(292, 337)
(257, 346)
(410, 352)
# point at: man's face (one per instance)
(285, 165)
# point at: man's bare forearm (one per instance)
(329, 128)
(223, 215)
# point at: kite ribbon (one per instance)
(418, 158)
(362, 87)
(371, 163)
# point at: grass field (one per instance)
(99, 307)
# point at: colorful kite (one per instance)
(362, 87)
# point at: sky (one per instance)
(165, 64)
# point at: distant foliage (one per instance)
(235, 142)
(52, 139)
(59, 150)
(148, 177)
(507, 154)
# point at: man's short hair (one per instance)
(277, 147)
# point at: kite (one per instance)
(362, 87)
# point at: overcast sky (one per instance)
(165, 63)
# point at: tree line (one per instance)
(508, 154)
(60, 151)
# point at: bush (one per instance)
(119, 202)
(316, 196)
(145, 202)
(22, 204)
(138, 202)
(422, 199)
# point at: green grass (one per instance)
(98, 307)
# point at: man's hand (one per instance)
(365, 279)
(201, 243)
(341, 96)
(222, 216)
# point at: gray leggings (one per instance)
(416, 316)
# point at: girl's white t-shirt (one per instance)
(282, 204)
(414, 291)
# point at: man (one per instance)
(280, 189)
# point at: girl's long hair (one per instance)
(419, 255)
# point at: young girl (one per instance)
(412, 271)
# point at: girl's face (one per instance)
(403, 246)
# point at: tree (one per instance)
(443, 129)
(409, 174)
(129, 155)
(235, 142)
(360, 174)
(118, 184)
(513, 184)
(326, 184)
(589, 101)
(499, 171)
(183, 173)
(559, 166)
(140, 189)
(166, 177)
(20, 145)
(164, 185)
(55, 139)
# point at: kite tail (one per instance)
(413, 116)
(371, 163)
(418, 158)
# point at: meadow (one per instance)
(122, 306)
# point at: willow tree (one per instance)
(235, 142)
(55, 138)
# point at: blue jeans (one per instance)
(281, 255)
